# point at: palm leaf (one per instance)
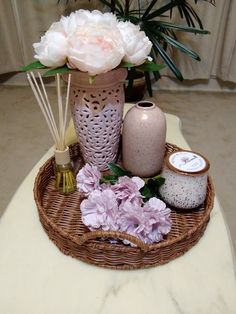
(210, 1)
(189, 14)
(180, 46)
(149, 8)
(195, 15)
(188, 17)
(182, 28)
(162, 10)
(170, 63)
(118, 8)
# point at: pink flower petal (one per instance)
(88, 179)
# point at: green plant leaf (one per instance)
(159, 181)
(189, 14)
(181, 28)
(59, 70)
(146, 193)
(163, 9)
(152, 186)
(33, 66)
(118, 6)
(118, 171)
(194, 14)
(109, 179)
(150, 66)
(157, 47)
(180, 46)
(126, 65)
(149, 8)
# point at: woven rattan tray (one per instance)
(61, 219)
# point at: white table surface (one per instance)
(36, 278)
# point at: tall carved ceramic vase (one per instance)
(143, 139)
(97, 110)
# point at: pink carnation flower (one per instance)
(120, 207)
(131, 220)
(88, 179)
(158, 218)
(148, 223)
(127, 189)
(100, 210)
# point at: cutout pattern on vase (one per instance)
(96, 114)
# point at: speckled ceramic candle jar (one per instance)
(143, 139)
(185, 174)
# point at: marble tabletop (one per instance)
(35, 277)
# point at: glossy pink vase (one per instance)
(97, 110)
(143, 139)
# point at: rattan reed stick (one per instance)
(57, 132)
(48, 104)
(36, 92)
(66, 107)
(60, 111)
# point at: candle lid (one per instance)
(187, 162)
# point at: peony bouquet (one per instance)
(92, 42)
(120, 206)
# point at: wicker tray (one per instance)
(61, 219)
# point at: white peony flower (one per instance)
(95, 49)
(96, 17)
(137, 46)
(82, 18)
(92, 42)
(51, 51)
(66, 25)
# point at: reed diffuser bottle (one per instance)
(64, 174)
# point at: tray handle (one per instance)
(112, 234)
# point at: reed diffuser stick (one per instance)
(67, 102)
(49, 105)
(57, 132)
(46, 116)
(60, 110)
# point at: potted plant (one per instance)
(155, 19)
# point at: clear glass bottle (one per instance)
(65, 181)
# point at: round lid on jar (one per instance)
(187, 162)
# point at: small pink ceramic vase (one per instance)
(143, 139)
